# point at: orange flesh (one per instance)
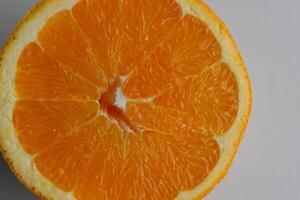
(180, 95)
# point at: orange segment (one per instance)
(192, 47)
(99, 22)
(40, 77)
(189, 49)
(65, 160)
(145, 25)
(40, 124)
(166, 164)
(61, 39)
(151, 77)
(91, 178)
(110, 156)
(212, 97)
(165, 120)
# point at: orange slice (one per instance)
(122, 99)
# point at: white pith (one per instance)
(120, 99)
(23, 162)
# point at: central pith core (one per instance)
(113, 103)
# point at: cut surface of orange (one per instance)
(122, 99)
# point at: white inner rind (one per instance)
(120, 99)
(23, 163)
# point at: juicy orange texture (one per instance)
(179, 96)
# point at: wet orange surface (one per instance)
(179, 96)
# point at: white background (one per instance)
(267, 32)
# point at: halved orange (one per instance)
(122, 99)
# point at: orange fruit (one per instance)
(122, 99)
